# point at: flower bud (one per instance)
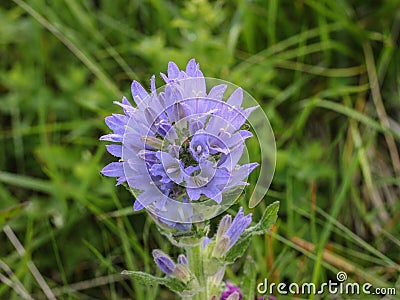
(221, 246)
(182, 273)
(164, 262)
(224, 225)
(239, 224)
(182, 259)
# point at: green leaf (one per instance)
(238, 248)
(10, 213)
(268, 219)
(148, 279)
(144, 278)
(249, 279)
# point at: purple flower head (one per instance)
(179, 148)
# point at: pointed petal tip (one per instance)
(153, 84)
(138, 92)
(173, 70)
(192, 60)
(125, 101)
(164, 77)
(120, 181)
(137, 206)
(115, 150)
(192, 67)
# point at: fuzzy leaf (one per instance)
(148, 279)
(238, 249)
(268, 219)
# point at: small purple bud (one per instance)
(182, 259)
(164, 262)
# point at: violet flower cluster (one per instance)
(181, 152)
(179, 146)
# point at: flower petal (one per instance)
(173, 70)
(115, 150)
(191, 68)
(112, 138)
(138, 92)
(137, 206)
(117, 123)
(236, 98)
(114, 169)
(217, 92)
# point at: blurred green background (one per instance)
(326, 73)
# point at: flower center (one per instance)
(199, 149)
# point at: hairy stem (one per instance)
(195, 259)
